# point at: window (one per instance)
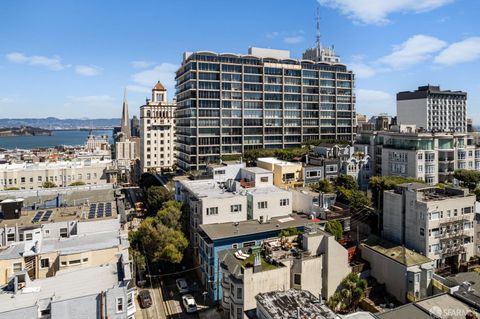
(239, 293)
(44, 263)
(284, 202)
(212, 211)
(11, 237)
(63, 263)
(17, 267)
(239, 313)
(234, 246)
(220, 172)
(130, 300)
(288, 177)
(119, 304)
(297, 279)
(264, 179)
(45, 312)
(236, 208)
(84, 260)
(262, 205)
(28, 236)
(249, 244)
(74, 262)
(63, 232)
(422, 231)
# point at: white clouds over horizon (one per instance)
(145, 80)
(54, 63)
(375, 101)
(415, 49)
(88, 70)
(140, 64)
(460, 52)
(377, 11)
(294, 39)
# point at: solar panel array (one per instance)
(100, 210)
(42, 216)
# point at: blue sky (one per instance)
(73, 58)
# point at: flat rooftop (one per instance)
(293, 303)
(60, 214)
(63, 286)
(65, 246)
(275, 161)
(226, 230)
(446, 306)
(407, 311)
(395, 252)
(211, 188)
(257, 170)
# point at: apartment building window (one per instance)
(119, 304)
(10, 237)
(17, 267)
(262, 205)
(63, 232)
(39, 178)
(212, 211)
(28, 236)
(288, 177)
(297, 279)
(130, 300)
(239, 313)
(249, 244)
(74, 262)
(236, 208)
(422, 232)
(22, 180)
(284, 202)
(44, 263)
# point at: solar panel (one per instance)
(46, 216)
(37, 217)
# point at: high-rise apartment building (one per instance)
(157, 132)
(433, 109)
(230, 103)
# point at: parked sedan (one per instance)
(145, 298)
(182, 286)
(189, 303)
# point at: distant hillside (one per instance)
(53, 123)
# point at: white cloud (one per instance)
(416, 49)
(460, 52)
(373, 102)
(377, 11)
(88, 70)
(293, 39)
(4, 99)
(165, 73)
(138, 88)
(362, 70)
(272, 35)
(139, 64)
(53, 63)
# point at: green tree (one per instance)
(291, 231)
(476, 191)
(13, 188)
(155, 196)
(379, 184)
(324, 186)
(158, 242)
(170, 214)
(355, 199)
(49, 184)
(468, 178)
(352, 291)
(335, 228)
(346, 181)
(78, 183)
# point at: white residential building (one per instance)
(438, 223)
(157, 132)
(250, 196)
(32, 175)
(432, 157)
(433, 109)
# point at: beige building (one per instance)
(406, 274)
(285, 174)
(318, 265)
(438, 223)
(62, 173)
(157, 132)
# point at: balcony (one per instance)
(247, 184)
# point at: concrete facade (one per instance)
(438, 223)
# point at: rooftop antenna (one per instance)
(317, 40)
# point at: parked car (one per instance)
(189, 303)
(145, 298)
(182, 286)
